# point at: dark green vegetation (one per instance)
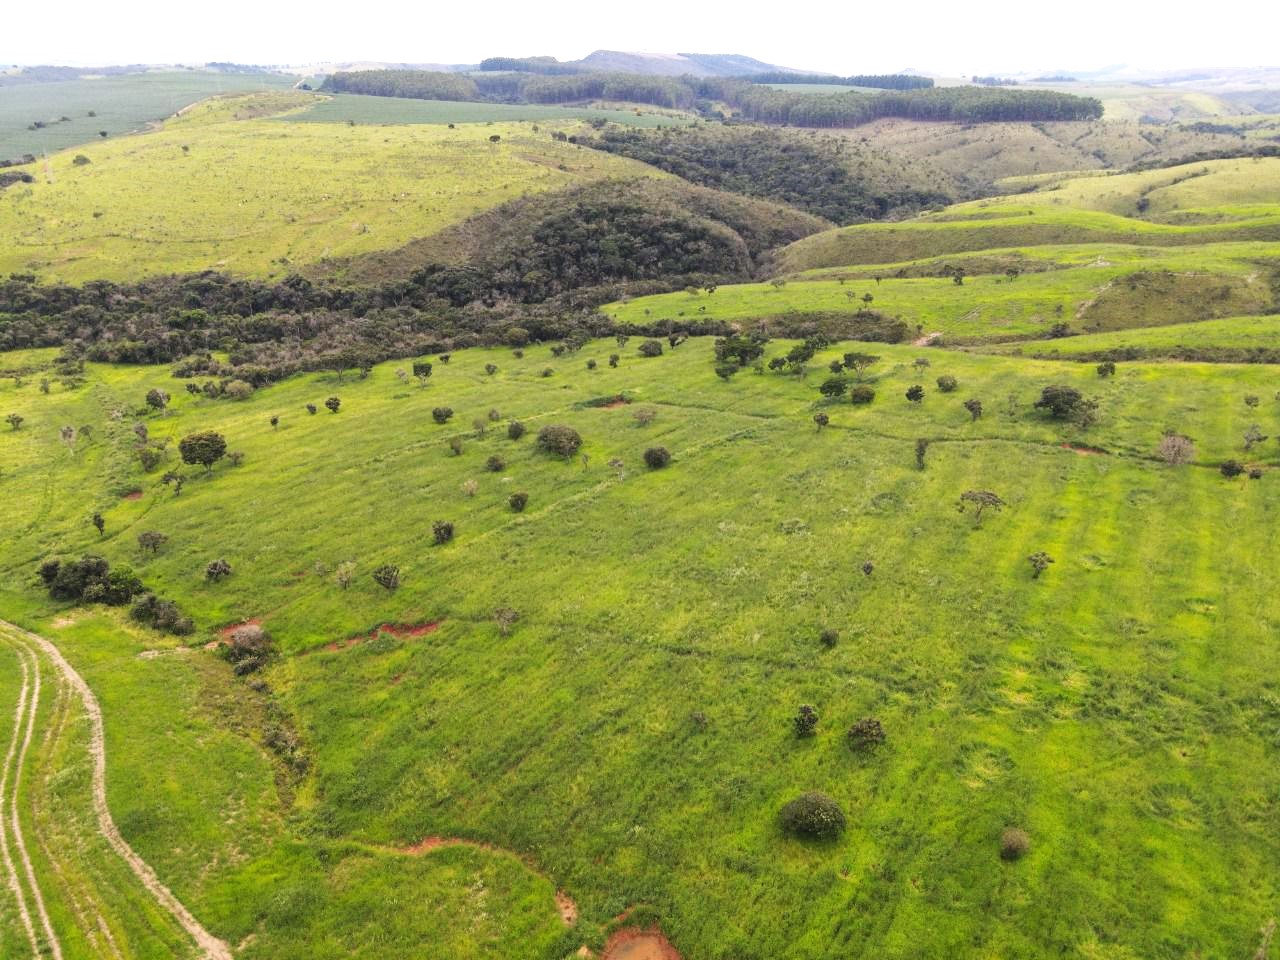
(748, 100)
(31, 114)
(354, 108)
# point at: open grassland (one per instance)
(226, 188)
(1239, 336)
(630, 738)
(355, 108)
(121, 105)
(1087, 288)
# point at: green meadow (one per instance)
(629, 740)
(355, 108)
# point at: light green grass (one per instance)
(123, 105)
(256, 196)
(1120, 708)
(340, 108)
(1242, 334)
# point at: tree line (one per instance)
(881, 81)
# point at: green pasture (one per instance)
(354, 108)
(630, 737)
(1231, 334)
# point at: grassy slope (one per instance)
(253, 195)
(339, 108)
(1236, 333)
(122, 104)
(1119, 708)
(1090, 290)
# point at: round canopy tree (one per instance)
(205, 448)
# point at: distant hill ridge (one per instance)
(652, 64)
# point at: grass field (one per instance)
(631, 736)
(341, 108)
(227, 187)
(122, 104)
(1232, 333)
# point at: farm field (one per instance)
(344, 107)
(637, 741)
(226, 187)
(122, 104)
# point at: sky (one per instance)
(949, 38)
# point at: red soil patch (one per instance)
(568, 909)
(133, 495)
(402, 630)
(615, 403)
(639, 945)
(224, 633)
(1085, 451)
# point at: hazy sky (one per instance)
(982, 36)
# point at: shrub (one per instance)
(455, 444)
(947, 383)
(152, 540)
(591, 364)
(975, 409)
(90, 579)
(922, 447)
(494, 415)
(650, 348)
(805, 721)
(248, 648)
(80, 160)
(344, 573)
(469, 488)
(161, 614)
(821, 420)
(238, 390)
(867, 732)
(613, 359)
(441, 415)
(216, 570)
(1231, 468)
(547, 371)
(518, 501)
(862, 394)
(387, 576)
(205, 448)
(515, 430)
(1060, 401)
(915, 393)
(829, 638)
(1255, 473)
(834, 387)
(157, 399)
(333, 404)
(657, 457)
(442, 531)
(644, 416)
(559, 439)
(495, 464)
(1039, 563)
(813, 815)
(1107, 368)
(1014, 843)
(491, 368)
(505, 618)
(311, 409)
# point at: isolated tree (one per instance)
(68, 436)
(274, 421)
(980, 501)
(495, 464)
(494, 415)
(559, 439)
(915, 393)
(1175, 449)
(176, 480)
(15, 420)
(311, 409)
(491, 368)
(505, 618)
(947, 383)
(643, 416)
(861, 394)
(922, 447)
(1014, 843)
(657, 457)
(333, 404)
(650, 348)
(217, 570)
(445, 358)
(805, 721)
(836, 366)
(1231, 468)
(1251, 401)
(974, 407)
(421, 372)
(344, 573)
(1060, 401)
(813, 815)
(515, 430)
(821, 420)
(834, 388)
(859, 363)
(152, 540)
(1106, 369)
(387, 576)
(455, 445)
(1039, 563)
(867, 732)
(1253, 435)
(613, 359)
(441, 415)
(591, 364)
(157, 399)
(469, 488)
(480, 426)
(205, 449)
(99, 523)
(868, 568)
(518, 501)
(442, 531)
(920, 365)
(828, 637)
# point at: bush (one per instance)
(455, 445)
(862, 394)
(834, 387)
(238, 390)
(216, 570)
(947, 383)
(915, 393)
(805, 721)
(1060, 401)
(161, 614)
(974, 407)
(651, 348)
(867, 732)
(311, 409)
(1231, 468)
(1014, 843)
(813, 815)
(829, 638)
(441, 415)
(442, 531)
(559, 439)
(248, 648)
(1107, 369)
(821, 420)
(333, 404)
(657, 457)
(387, 576)
(491, 368)
(515, 430)
(495, 464)
(518, 501)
